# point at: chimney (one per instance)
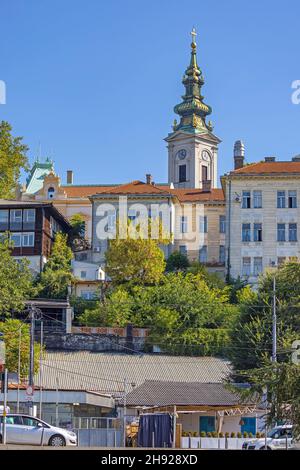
(149, 178)
(69, 177)
(270, 159)
(296, 158)
(206, 185)
(238, 154)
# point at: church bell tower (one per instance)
(192, 146)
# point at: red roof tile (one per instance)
(84, 191)
(136, 187)
(268, 168)
(194, 195)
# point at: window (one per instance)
(246, 202)
(29, 219)
(15, 219)
(111, 220)
(182, 173)
(131, 214)
(222, 223)
(281, 199)
(257, 232)
(3, 220)
(54, 227)
(246, 233)
(27, 239)
(183, 250)
(292, 199)
(246, 266)
(204, 173)
(183, 224)
(281, 232)
(83, 274)
(292, 232)
(222, 254)
(280, 260)
(257, 266)
(87, 295)
(51, 193)
(30, 421)
(16, 238)
(203, 223)
(203, 254)
(257, 199)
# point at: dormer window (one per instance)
(51, 193)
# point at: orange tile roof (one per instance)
(268, 168)
(85, 191)
(194, 195)
(136, 187)
(139, 187)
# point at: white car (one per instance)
(24, 429)
(279, 437)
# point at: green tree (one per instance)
(135, 261)
(16, 281)
(251, 336)
(185, 315)
(57, 275)
(177, 262)
(77, 238)
(11, 331)
(115, 310)
(12, 160)
(282, 382)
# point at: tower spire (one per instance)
(192, 110)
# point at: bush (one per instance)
(226, 435)
(258, 435)
(214, 434)
(209, 434)
(239, 435)
(195, 434)
(250, 434)
(233, 435)
(221, 434)
(245, 435)
(203, 434)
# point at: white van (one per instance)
(279, 437)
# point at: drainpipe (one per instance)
(229, 231)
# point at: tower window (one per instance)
(204, 173)
(182, 173)
(51, 192)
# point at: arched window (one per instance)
(51, 193)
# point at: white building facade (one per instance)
(263, 214)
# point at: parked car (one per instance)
(279, 437)
(24, 429)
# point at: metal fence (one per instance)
(98, 432)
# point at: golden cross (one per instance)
(193, 34)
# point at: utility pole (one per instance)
(41, 367)
(31, 356)
(4, 408)
(124, 413)
(19, 370)
(274, 324)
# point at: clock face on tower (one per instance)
(181, 154)
(205, 156)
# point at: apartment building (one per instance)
(263, 215)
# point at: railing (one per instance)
(96, 423)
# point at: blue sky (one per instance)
(96, 81)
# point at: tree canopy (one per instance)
(11, 331)
(251, 336)
(15, 280)
(135, 261)
(13, 160)
(57, 276)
